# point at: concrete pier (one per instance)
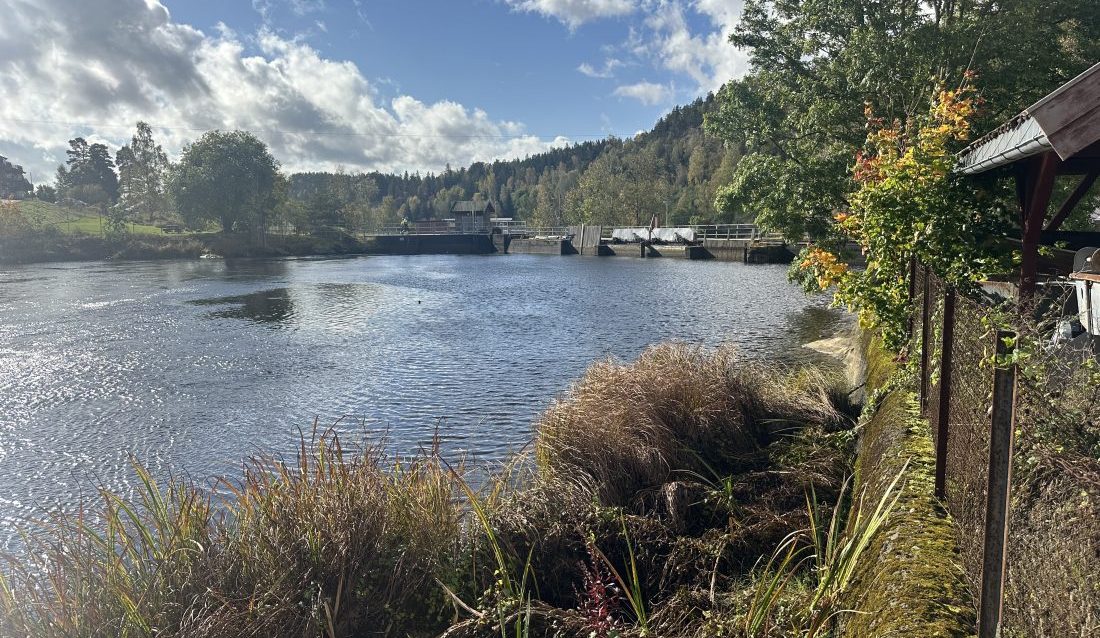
(745, 251)
(536, 246)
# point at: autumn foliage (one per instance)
(905, 201)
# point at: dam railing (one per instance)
(701, 232)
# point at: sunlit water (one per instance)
(192, 366)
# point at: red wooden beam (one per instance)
(1039, 189)
(1073, 199)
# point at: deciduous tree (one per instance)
(226, 177)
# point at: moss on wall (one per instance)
(911, 583)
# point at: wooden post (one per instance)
(943, 414)
(926, 335)
(1039, 188)
(999, 491)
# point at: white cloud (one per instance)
(361, 14)
(297, 7)
(302, 7)
(607, 71)
(663, 37)
(574, 13)
(708, 58)
(262, 7)
(60, 73)
(647, 93)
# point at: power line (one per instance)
(317, 132)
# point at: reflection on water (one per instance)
(277, 306)
(266, 306)
(814, 323)
(191, 366)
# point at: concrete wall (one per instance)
(541, 247)
(747, 251)
(430, 245)
(586, 239)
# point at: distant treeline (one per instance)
(230, 179)
(673, 171)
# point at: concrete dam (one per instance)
(724, 242)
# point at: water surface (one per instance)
(191, 366)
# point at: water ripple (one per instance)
(192, 366)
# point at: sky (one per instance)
(354, 85)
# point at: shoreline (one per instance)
(667, 478)
(60, 248)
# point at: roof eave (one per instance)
(1020, 137)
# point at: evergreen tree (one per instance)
(88, 174)
(142, 171)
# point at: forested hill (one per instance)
(672, 170)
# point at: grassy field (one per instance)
(77, 220)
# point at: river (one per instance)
(191, 366)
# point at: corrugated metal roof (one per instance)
(1020, 137)
(1067, 121)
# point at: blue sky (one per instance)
(359, 85)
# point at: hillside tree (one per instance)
(88, 174)
(13, 182)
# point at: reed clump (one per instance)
(690, 493)
(331, 544)
(631, 429)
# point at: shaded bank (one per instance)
(59, 247)
(913, 582)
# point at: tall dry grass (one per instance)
(631, 428)
(330, 544)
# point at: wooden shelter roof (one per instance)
(1067, 122)
(470, 206)
(1058, 135)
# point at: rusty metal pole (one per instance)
(943, 414)
(999, 492)
(926, 313)
(912, 296)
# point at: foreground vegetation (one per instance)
(687, 494)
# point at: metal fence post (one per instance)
(943, 416)
(997, 496)
(926, 313)
(912, 294)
